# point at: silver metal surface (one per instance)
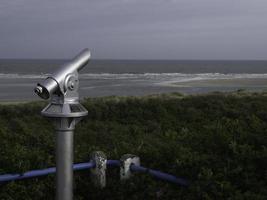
(66, 111)
(55, 82)
(76, 64)
(64, 162)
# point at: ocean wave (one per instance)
(22, 76)
(171, 77)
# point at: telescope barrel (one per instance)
(53, 82)
(76, 64)
(81, 59)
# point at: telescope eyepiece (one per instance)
(38, 90)
(41, 92)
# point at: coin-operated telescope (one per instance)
(64, 108)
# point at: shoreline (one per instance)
(178, 95)
(239, 82)
(192, 87)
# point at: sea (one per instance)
(18, 77)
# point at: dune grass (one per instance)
(217, 141)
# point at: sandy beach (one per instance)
(21, 89)
(259, 84)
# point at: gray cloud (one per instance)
(138, 29)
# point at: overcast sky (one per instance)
(134, 29)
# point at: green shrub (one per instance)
(217, 141)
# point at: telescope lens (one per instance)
(38, 90)
(42, 92)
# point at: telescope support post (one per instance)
(64, 161)
(65, 111)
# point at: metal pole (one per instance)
(64, 107)
(64, 162)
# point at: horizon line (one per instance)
(129, 59)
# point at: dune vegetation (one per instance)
(217, 141)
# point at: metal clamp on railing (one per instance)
(126, 161)
(98, 173)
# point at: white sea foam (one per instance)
(171, 77)
(22, 76)
(158, 77)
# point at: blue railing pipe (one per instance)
(29, 174)
(42, 172)
(88, 165)
(160, 175)
(113, 163)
